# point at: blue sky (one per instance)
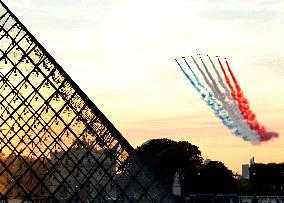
(121, 53)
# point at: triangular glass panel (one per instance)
(55, 144)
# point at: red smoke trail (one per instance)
(243, 102)
(237, 95)
(233, 93)
(244, 107)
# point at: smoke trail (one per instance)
(233, 93)
(227, 101)
(246, 128)
(204, 96)
(248, 114)
(204, 76)
(222, 98)
(195, 76)
(223, 114)
(220, 79)
(242, 128)
(187, 76)
(205, 92)
(231, 106)
(231, 101)
(207, 97)
(219, 95)
(243, 102)
(208, 84)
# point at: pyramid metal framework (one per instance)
(55, 144)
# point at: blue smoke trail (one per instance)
(186, 75)
(207, 96)
(196, 78)
(207, 92)
(204, 96)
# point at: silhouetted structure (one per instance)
(245, 171)
(56, 145)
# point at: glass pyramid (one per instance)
(55, 144)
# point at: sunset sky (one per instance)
(121, 53)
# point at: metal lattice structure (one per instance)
(56, 145)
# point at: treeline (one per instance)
(167, 157)
(265, 179)
(20, 175)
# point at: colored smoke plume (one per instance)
(226, 99)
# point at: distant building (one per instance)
(72, 169)
(245, 171)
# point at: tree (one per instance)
(244, 187)
(267, 179)
(168, 157)
(216, 178)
